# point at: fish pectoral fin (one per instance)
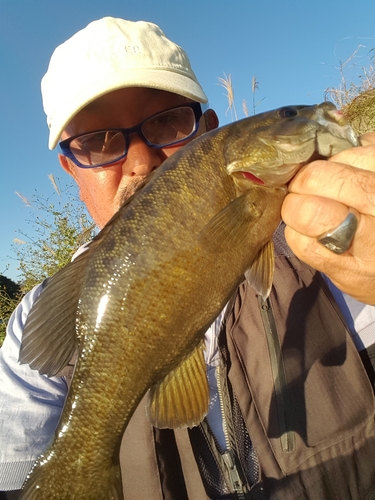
(49, 338)
(260, 273)
(182, 398)
(229, 226)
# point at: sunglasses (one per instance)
(104, 147)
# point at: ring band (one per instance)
(338, 240)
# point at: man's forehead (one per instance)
(150, 94)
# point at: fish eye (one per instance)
(287, 112)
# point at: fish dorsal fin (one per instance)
(49, 337)
(260, 273)
(181, 399)
(230, 224)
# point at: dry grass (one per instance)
(360, 112)
(357, 100)
(227, 84)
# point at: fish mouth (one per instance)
(253, 178)
(270, 179)
(279, 177)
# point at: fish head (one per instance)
(268, 149)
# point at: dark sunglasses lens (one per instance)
(98, 148)
(169, 127)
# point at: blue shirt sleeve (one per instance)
(30, 404)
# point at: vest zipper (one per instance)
(234, 476)
(278, 375)
(236, 483)
(222, 410)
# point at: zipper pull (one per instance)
(235, 479)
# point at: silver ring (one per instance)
(338, 240)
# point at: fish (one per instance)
(136, 304)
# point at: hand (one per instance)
(320, 197)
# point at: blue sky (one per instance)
(293, 47)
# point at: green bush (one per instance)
(60, 225)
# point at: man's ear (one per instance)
(211, 119)
(67, 165)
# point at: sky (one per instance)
(294, 49)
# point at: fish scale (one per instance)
(137, 303)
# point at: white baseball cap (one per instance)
(107, 55)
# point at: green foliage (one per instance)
(59, 230)
(10, 294)
(59, 225)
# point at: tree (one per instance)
(10, 293)
(59, 224)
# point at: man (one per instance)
(294, 393)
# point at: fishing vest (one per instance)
(298, 400)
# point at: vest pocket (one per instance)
(281, 392)
(307, 387)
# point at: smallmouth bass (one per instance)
(136, 304)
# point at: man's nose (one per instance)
(141, 159)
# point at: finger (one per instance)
(361, 157)
(312, 216)
(367, 139)
(351, 275)
(345, 184)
